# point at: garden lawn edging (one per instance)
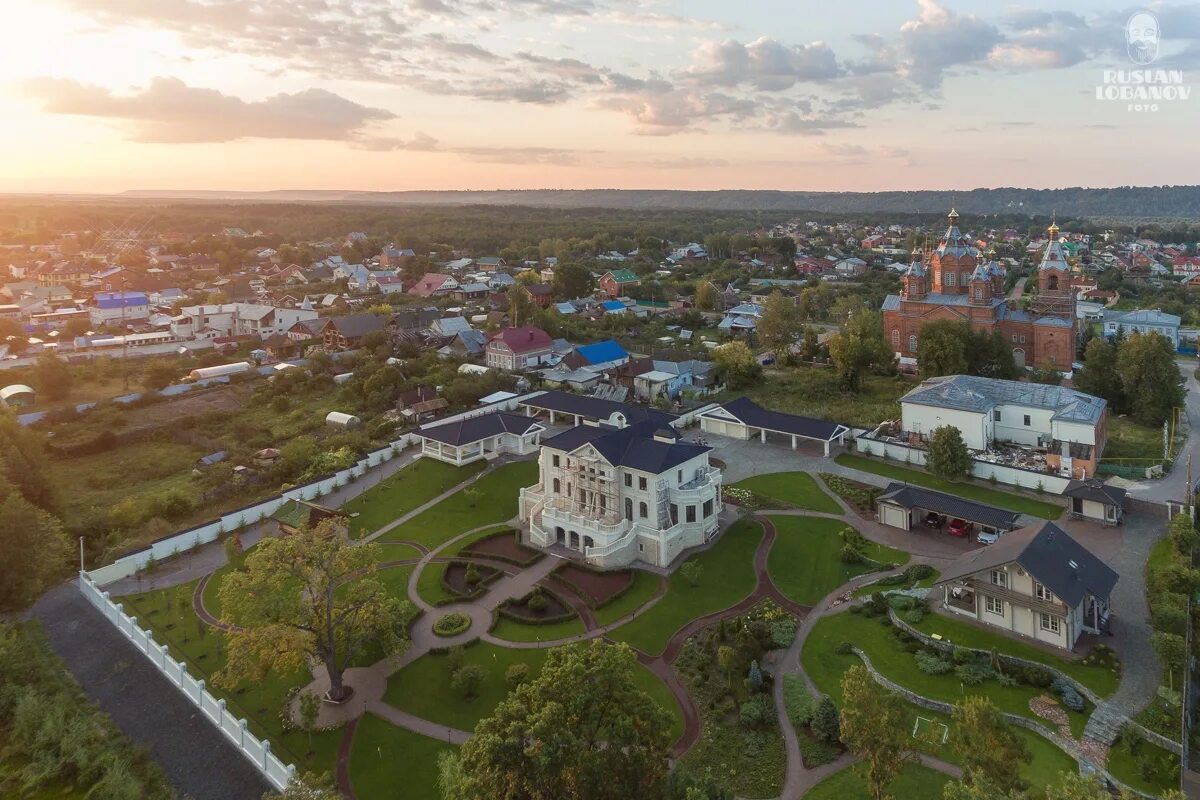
(948, 647)
(1069, 747)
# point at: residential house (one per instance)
(238, 319)
(118, 308)
(622, 495)
(490, 263)
(617, 282)
(1038, 583)
(541, 293)
(450, 326)
(472, 291)
(347, 332)
(500, 280)
(388, 284)
(741, 319)
(1068, 424)
(518, 348)
(1143, 321)
(393, 256)
(433, 283)
(600, 356)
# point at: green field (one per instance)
(423, 687)
(805, 562)
(727, 577)
(797, 489)
(1012, 502)
(490, 500)
(406, 489)
(645, 586)
(385, 758)
(513, 631)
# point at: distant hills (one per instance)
(1123, 202)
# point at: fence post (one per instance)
(241, 732)
(266, 753)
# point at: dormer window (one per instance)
(1000, 577)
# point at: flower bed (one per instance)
(452, 624)
(860, 496)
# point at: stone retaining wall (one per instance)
(1066, 745)
(1141, 730)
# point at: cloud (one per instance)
(556, 156)
(420, 141)
(765, 63)
(168, 110)
(940, 39)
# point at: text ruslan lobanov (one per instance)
(1144, 85)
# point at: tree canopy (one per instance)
(947, 456)
(874, 727)
(857, 346)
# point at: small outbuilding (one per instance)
(465, 440)
(342, 420)
(17, 395)
(295, 514)
(903, 506)
(1095, 500)
(742, 418)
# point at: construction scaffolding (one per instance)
(591, 490)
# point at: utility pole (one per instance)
(124, 336)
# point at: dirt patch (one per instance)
(455, 577)
(597, 588)
(504, 546)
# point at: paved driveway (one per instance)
(1173, 485)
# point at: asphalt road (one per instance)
(1173, 485)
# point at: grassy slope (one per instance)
(728, 576)
(805, 564)
(405, 490)
(797, 489)
(1012, 502)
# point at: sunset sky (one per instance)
(109, 95)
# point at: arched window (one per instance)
(643, 511)
(556, 486)
(896, 338)
(628, 508)
(1052, 283)
(912, 343)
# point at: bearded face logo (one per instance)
(1141, 37)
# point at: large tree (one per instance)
(705, 297)
(947, 456)
(991, 356)
(735, 365)
(779, 325)
(36, 551)
(52, 376)
(858, 345)
(573, 280)
(988, 748)
(1099, 374)
(310, 595)
(580, 730)
(943, 348)
(520, 305)
(875, 728)
(24, 463)
(1150, 377)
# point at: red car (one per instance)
(958, 527)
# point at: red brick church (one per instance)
(958, 283)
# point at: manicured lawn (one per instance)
(971, 491)
(395, 580)
(727, 577)
(385, 758)
(645, 586)
(396, 551)
(408, 488)
(916, 781)
(797, 489)
(1099, 679)
(491, 500)
(514, 631)
(805, 562)
(423, 687)
(825, 666)
(430, 586)
(169, 613)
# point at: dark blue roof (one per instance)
(756, 416)
(119, 299)
(633, 447)
(466, 431)
(950, 505)
(600, 352)
(596, 408)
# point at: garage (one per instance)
(743, 419)
(904, 506)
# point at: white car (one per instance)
(987, 537)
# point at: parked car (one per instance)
(934, 520)
(987, 537)
(958, 527)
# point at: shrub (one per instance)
(1038, 677)
(783, 632)
(974, 673)
(466, 680)
(1070, 698)
(536, 602)
(932, 663)
(850, 555)
(917, 572)
(826, 723)
(914, 615)
(452, 624)
(472, 577)
(455, 658)
(515, 675)
(797, 701)
(900, 602)
(843, 648)
(757, 711)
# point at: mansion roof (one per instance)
(638, 447)
(971, 393)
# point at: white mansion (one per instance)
(619, 495)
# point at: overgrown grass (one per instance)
(805, 560)
(405, 490)
(1100, 679)
(490, 500)
(385, 757)
(971, 491)
(1128, 439)
(815, 392)
(727, 577)
(797, 489)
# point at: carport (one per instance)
(743, 418)
(896, 505)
